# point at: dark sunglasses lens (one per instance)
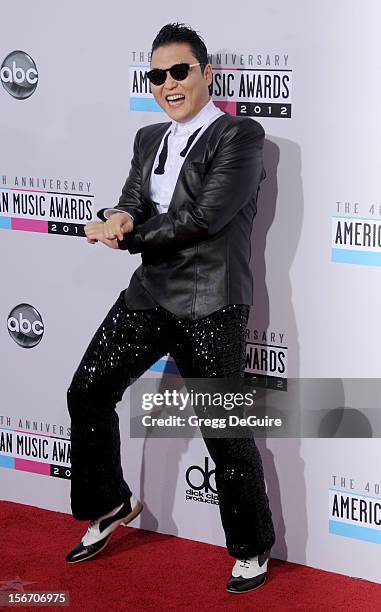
(179, 72)
(157, 76)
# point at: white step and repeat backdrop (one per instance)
(72, 96)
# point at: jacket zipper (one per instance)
(195, 284)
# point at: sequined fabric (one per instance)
(126, 344)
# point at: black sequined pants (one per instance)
(126, 344)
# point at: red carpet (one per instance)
(143, 571)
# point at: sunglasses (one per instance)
(178, 72)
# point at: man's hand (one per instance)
(117, 225)
(95, 233)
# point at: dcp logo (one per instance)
(19, 75)
(25, 325)
(203, 483)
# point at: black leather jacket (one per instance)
(195, 257)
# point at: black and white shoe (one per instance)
(100, 531)
(248, 574)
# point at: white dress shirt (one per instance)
(162, 186)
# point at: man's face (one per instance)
(194, 89)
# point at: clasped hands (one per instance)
(109, 231)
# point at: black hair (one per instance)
(180, 33)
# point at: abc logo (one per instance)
(19, 75)
(25, 325)
(196, 482)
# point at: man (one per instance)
(187, 206)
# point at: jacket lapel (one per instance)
(149, 157)
(197, 152)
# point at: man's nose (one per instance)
(170, 82)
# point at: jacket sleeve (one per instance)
(131, 200)
(232, 179)
(107, 212)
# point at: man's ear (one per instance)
(208, 73)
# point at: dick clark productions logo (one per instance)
(203, 483)
(18, 74)
(25, 325)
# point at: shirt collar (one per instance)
(204, 115)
